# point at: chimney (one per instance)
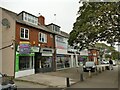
(41, 20)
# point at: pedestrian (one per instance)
(110, 64)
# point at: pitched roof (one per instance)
(41, 27)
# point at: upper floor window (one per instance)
(30, 18)
(60, 39)
(42, 37)
(24, 33)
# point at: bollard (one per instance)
(81, 77)
(90, 75)
(96, 71)
(68, 82)
(102, 68)
(99, 70)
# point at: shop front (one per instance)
(82, 60)
(63, 61)
(24, 63)
(83, 57)
(44, 60)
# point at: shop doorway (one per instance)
(37, 59)
(43, 63)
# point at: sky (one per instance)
(60, 12)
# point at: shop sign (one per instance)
(47, 50)
(24, 48)
(35, 49)
(44, 54)
(81, 59)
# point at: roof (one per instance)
(41, 27)
(12, 14)
(27, 13)
(64, 33)
(53, 24)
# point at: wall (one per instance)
(93, 55)
(33, 36)
(8, 35)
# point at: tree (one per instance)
(105, 49)
(97, 21)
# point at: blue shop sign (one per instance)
(24, 48)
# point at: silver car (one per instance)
(6, 84)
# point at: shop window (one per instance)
(46, 62)
(25, 62)
(63, 62)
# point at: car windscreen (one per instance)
(89, 64)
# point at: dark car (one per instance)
(6, 84)
(89, 66)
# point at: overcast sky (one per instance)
(65, 10)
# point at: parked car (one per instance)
(6, 84)
(104, 62)
(89, 66)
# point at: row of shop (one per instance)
(44, 60)
(37, 60)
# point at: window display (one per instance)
(63, 62)
(45, 62)
(25, 62)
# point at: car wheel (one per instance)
(84, 70)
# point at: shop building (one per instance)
(27, 45)
(63, 59)
(35, 43)
(93, 55)
(32, 47)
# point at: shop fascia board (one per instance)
(47, 50)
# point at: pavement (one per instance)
(53, 79)
(58, 78)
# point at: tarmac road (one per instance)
(106, 79)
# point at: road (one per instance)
(106, 79)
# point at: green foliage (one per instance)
(97, 21)
(115, 55)
(107, 49)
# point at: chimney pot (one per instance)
(41, 20)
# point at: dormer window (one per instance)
(30, 18)
(55, 28)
